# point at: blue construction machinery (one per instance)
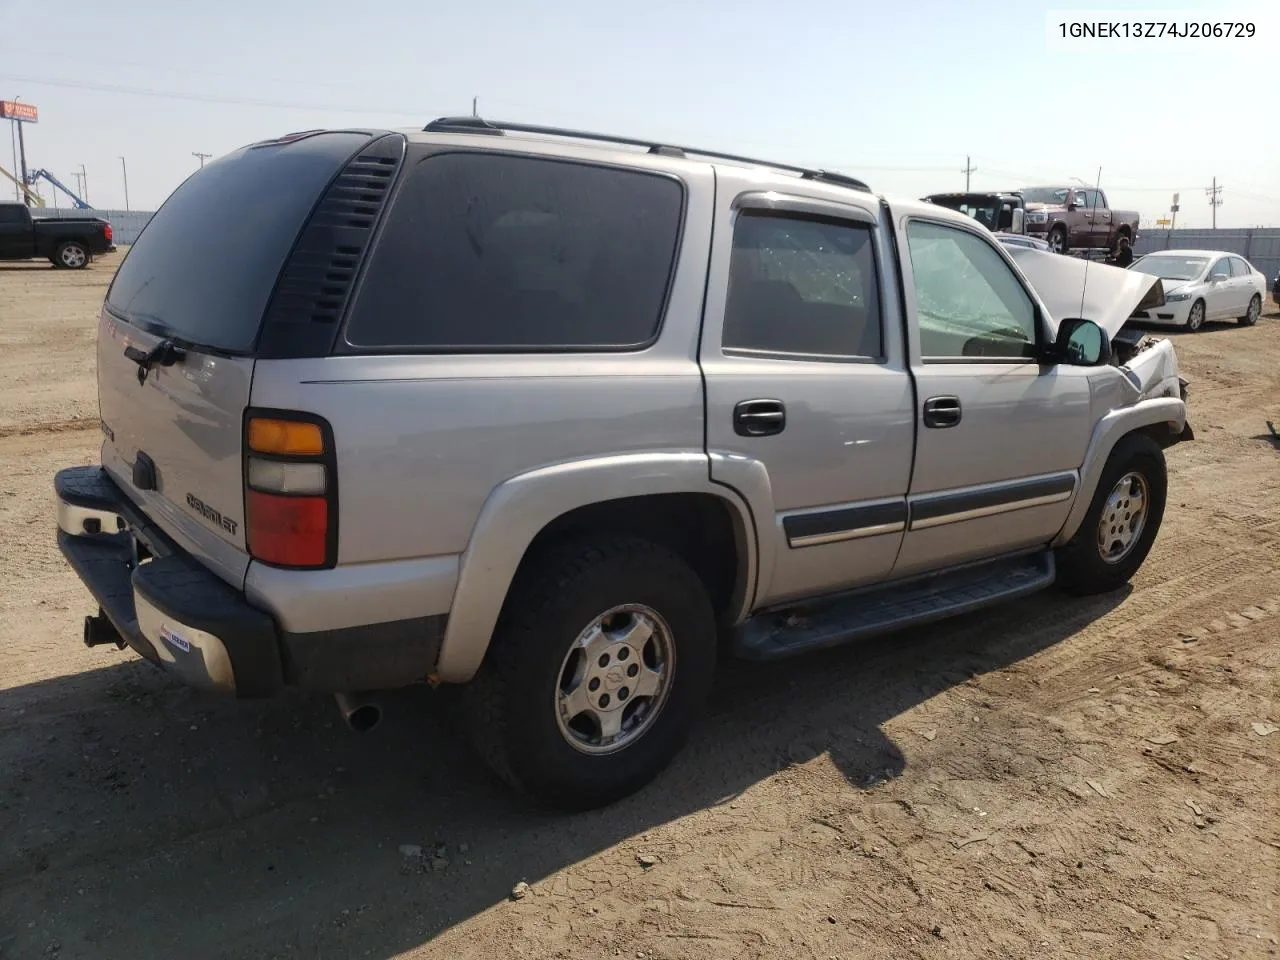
(35, 175)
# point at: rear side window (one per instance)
(802, 286)
(485, 252)
(204, 267)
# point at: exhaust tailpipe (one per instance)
(99, 631)
(361, 713)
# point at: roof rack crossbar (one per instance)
(477, 125)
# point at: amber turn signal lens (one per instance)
(285, 437)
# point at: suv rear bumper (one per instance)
(174, 612)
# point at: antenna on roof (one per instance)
(1084, 284)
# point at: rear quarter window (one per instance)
(206, 263)
(497, 253)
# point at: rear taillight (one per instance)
(107, 230)
(291, 496)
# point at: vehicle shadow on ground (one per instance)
(141, 819)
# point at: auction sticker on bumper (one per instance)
(174, 639)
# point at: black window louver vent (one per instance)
(315, 285)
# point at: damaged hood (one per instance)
(1110, 294)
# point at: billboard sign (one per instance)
(13, 110)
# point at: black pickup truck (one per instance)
(70, 243)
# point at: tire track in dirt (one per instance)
(70, 425)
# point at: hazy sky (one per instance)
(897, 93)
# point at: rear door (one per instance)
(1243, 284)
(805, 374)
(201, 276)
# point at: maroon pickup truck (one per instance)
(1073, 218)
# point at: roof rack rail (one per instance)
(496, 127)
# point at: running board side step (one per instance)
(877, 610)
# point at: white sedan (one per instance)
(1202, 285)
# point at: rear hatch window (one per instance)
(204, 267)
(201, 274)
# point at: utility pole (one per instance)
(969, 168)
(22, 156)
(79, 184)
(124, 172)
(1215, 200)
(474, 102)
(14, 127)
(84, 182)
(203, 157)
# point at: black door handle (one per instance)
(942, 411)
(759, 418)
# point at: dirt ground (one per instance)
(1055, 778)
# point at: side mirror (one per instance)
(1082, 343)
(1019, 224)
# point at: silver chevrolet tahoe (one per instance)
(560, 418)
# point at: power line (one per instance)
(208, 98)
(309, 82)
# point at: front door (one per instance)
(1220, 298)
(807, 388)
(1000, 434)
(15, 231)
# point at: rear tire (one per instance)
(71, 255)
(1255, 311)
(520, 709)
(1116, 535)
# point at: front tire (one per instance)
(71, 255)
(1195, 317)
(1122, 522)
(1058, 239)
(600, 663)
(1255, 311)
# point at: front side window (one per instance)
(1221, 270)
(486, 252)
(969, 302)
(804, 286)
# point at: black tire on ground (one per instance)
(71, 255)
(1123, 251)
(511, 706)
(1195, 316)
(1082, 570)
(1255, 311)
(1058, 239)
